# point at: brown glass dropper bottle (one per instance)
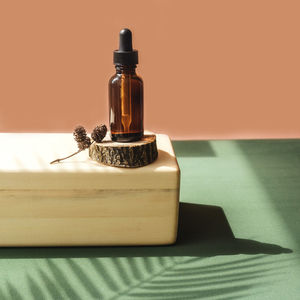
(126, 104)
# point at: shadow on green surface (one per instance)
(203, 231)
(276, 164)
(193, 149)
(187, 279)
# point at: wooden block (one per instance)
(81, 202)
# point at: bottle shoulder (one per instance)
(139, 78)
(116, 78)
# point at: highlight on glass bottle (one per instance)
(126, 107)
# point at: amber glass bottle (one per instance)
(126, 104)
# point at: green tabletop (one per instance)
(239, 237)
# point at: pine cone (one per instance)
(85, 144)
(79, 134)
(99, 133)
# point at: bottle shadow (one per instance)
(203, 231)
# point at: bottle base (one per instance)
(126, 137)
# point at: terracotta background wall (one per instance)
(212, 69)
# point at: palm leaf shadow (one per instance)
(61, 279)
(13, 292)
(36, 291)
(50, 285)
(88, 284)
(172, 283)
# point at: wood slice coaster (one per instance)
(125, 155)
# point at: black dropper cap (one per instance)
(125, 55)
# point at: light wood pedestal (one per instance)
(81, 202)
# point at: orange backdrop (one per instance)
(211, 69)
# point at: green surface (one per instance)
(239, 237)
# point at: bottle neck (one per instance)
(125, 69)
